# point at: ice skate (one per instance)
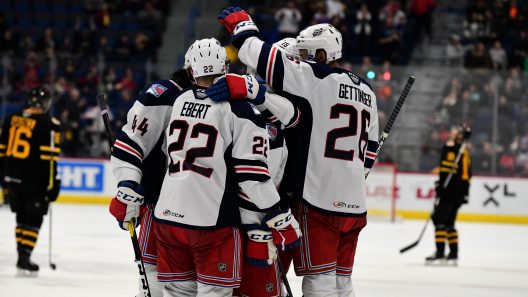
(26, 268)
(435, 260)
(452, 260)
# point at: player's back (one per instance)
(26, 148)
(207, 156)
(339, 116)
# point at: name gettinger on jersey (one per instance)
(349, 92)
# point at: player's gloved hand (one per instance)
(285, 229)
(260, 249)
(125, 207)
(239, 23)
(237, 87)
(53, 193)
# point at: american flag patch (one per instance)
(156, 90)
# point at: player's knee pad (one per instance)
(156, 287)
(320, 285)
(180, 289)
(213, 291)
(344, 286)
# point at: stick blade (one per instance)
(405, 249)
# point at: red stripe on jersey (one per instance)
(251, 170)
(296, 121)
(371, 155)
(270, 64)
(128, 149)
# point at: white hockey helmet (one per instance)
(187, 62)
(289, 46)
(321, 36)
(208, 57)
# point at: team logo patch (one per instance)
(272, 131)
(317, 32)
(269, 287)
(222, 267)
(156, 90)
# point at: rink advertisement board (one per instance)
(492, 199)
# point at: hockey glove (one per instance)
(260, 250)
(285, 229)
(237, 87)
(53, 193)
(125, 207)
(238, 23)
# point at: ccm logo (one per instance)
(261, 237)
(339, 204)
(282, 222)
(250, 84)
(129, 198)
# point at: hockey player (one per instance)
(264, 280)
(450, 199)
(197, 236)
(156, 97)
(29, 150)
(336, 141)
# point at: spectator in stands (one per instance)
(46, 41)
(289, 18)
(123, 49)
(520, 51)
(104, 48)
(335, 8)
(363, 28)
(9, 41)
(150, 17)
(84, 41)
(321, 14)
(142, 48)
(392, 16)
(103, 16)
(422, 12)
(498, 56)
(127, 82)
(478, 57)
(454, 51)
(31, 68)
(27, 45)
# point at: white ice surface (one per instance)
(94, 258)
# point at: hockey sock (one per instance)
(28, 240)
(452, 239)
(440, 239)
(18, 236)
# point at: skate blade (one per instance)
(26, 273)
(453, 263)
(436, 263)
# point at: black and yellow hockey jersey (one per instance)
(26, 151)
(458, 186)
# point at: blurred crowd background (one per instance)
(478, 48)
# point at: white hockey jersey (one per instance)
(214, 150)
(337, 134)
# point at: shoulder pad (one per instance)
(161, 92)
(246, 110)
(356, 79)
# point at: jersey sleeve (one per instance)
(3, 145)
(283, 74)
(146, 122)
(249, 154)
(282, 110)
(373, 136)
(466, 173)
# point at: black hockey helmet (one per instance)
(39, 97)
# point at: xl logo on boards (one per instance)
(80, 176)
(493, 190)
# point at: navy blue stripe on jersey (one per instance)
(250, 170)
(126, 157)
(370, 155)
(295, 119)
(321, 71)
(269, 116)
(277, 78)
(262, 64)
(244, 202)
(124, 142)
(245, 110)
(159, 93)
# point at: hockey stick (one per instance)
(393, 116)
(467, 135)
(50, 186)
(133, 236)
(284, 278)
